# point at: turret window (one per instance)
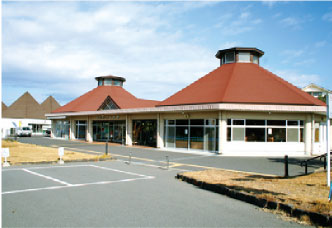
(244, 57)
(230, 57)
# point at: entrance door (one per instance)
(210, 139)
(145, 132)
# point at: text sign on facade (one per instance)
(5, 152)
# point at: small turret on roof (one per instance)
(110, 80)
(239, 55)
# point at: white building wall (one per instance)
(7, 124)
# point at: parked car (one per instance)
(47, 133)
(24, 131)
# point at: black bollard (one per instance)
(106, 148)
(286, 165)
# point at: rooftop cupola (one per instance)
(110, 80)
(239, 55)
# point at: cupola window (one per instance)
(244, 57)
(230, 57)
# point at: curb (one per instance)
(67, 161)
(315, 218)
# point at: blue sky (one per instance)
(57, 48)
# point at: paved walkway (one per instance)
(182, 161)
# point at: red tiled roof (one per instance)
(93, 99)
(241, 83)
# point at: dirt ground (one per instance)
(21, 153)
(304, 192)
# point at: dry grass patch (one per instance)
(22, 153)
(304, 192)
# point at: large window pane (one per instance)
(238, 122)
(181, 137)
(277, 135)
(292, 135)
(292, 123)
(181, 122)
(210, 138)
(238, 134)
(229, 134)
(276, 122)
(255, 122)
(255, 134)
(197, 122)
(170, 141)
(196, 137)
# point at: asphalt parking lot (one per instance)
(113, 194)
(185, 161)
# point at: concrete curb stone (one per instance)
(316, 218)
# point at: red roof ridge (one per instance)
(295, 89)
(228, 81)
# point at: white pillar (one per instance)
(160, 131)
(53, 128)
(71, 129)
(307, 134)
(89, 131)
(129, 131)
(313, 134)
(222, 131)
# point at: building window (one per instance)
(265, 130)
(112, 131)
(80, 129)
(62, 129)
(244, 57)
(194, 134)
(255, 59)
(230, 57)
(107, 81)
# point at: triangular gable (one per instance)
(108, 104)
(4, 106)
(50, 104)
(314, 87)
(25, 107)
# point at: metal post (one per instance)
(106, 148)
(286, 165)
(306, 168)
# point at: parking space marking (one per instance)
(116, 170)
(47, 177)
(68, 185)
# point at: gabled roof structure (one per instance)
(50, 104)
(314, 87)
(244, 83)
(93, 100)
(3, 106)
(25, 107)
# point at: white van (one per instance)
(24, 131)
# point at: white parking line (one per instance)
(46, 167)
(47, 177)
(119, 171)
(67, 185)
(76, 185)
